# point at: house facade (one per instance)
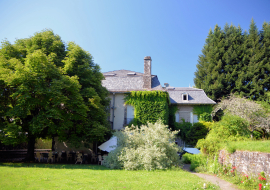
(120, 82)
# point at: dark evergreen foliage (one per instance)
(233, 61)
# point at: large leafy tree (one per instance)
(49, 89)
(233, 61)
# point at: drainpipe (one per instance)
(113, 111)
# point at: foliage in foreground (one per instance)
(49, 89)
(59, 176)
(147, 147)
(192, 133)
(230, 128)
(255, 114)
(209, 164)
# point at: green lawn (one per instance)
(59, 176)
(255, 146)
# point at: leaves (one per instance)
(147, 147)
(149, 106)
(48, 89)
(233, 61)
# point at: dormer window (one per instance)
(131, 74)
(185, 96)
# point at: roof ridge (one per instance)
(122, 70)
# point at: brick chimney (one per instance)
(147, 72)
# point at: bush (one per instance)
(230, 128)
(135, 122)
(195, 160)
(196, 132)
(148, 147)
(206, 117)
(184, 127)
(192, 133)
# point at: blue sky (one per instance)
(120, 33)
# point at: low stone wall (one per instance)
(250, 163)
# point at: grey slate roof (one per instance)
(125, 81)
(120, 81)
(195, 96)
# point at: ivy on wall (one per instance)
(203, 112)
(172, 110)
(149, 106)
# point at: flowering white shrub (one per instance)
(148, 147)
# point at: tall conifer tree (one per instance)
(235, 62)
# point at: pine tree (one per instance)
(235, 62)
(210, 64)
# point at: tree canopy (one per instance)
(233, 61)
(50, 89)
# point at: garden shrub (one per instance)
(197, 131)
(194, 159)
(230, 128)
(206, 117)
(184, 127)
(203, 112)
(192, 133)
(149, 147)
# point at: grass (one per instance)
(254, 146)
(59, 176)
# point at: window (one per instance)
(177, 117)
(185, 96)
(184, 115)
(130, 113)
(195, 118)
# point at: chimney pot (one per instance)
(147, 57)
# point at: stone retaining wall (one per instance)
(250, 163)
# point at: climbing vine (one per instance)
(203, 112)
(149, 106)
(172, 110)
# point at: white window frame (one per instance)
(185, 94)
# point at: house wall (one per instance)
(119, 111)
(186, 112)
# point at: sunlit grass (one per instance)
(254, 146)
(59, 176)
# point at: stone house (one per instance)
(120, 82)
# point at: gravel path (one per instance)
(224, 185)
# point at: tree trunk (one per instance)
(30, 156)
(53, 144)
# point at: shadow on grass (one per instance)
(53, 166)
